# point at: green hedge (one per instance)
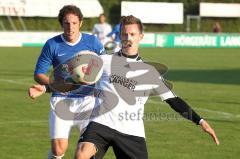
(42, 24)
(112, 10)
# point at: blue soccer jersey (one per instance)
(58, 51)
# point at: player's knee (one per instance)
(81, 155)
(85, 151)
(58, 151)
(59, 147)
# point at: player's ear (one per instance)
(80, 23)
(141, 36)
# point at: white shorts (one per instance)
(66, 113)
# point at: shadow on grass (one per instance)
(205, 76)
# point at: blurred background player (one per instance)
(122, 126)
(55, 52)
(115, 35)
(102, 29)
(217, 27)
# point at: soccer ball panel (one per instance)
(86, 67)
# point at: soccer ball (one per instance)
(110, 45)
(86, 67)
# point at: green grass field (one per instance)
(208, 79)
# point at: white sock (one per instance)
(52, 156)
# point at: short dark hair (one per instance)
(102, 14)
(69, 9)
(126, 20)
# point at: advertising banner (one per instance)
(197, 40)
(47, 8)
(220, 10)
(165, 40)
(154, 12)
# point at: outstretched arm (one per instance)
(187, 112)
(207, 128)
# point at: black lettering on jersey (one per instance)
(123, 81)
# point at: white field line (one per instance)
(14, 82)
(225, 114)
(213, 111)
(23, 122)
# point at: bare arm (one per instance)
(207, 128)
(38, 89)
(41, 79)
(45, 85)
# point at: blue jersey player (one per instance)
(56, 52)
(115, 34)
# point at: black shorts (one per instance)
(124, 146)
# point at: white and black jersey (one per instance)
(125, 85)
(117, 118)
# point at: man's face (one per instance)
(71, 26)
(130, 37)
(102, 19)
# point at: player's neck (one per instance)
(73, 39)
(129, 54)
(71, 42)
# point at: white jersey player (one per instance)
(125, 85)
(102, 29)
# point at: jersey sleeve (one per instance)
(98, 47)
(109, 28)
(161, 88)
(44, 60)
(113, 32)
(94, 31)
(165, 91)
